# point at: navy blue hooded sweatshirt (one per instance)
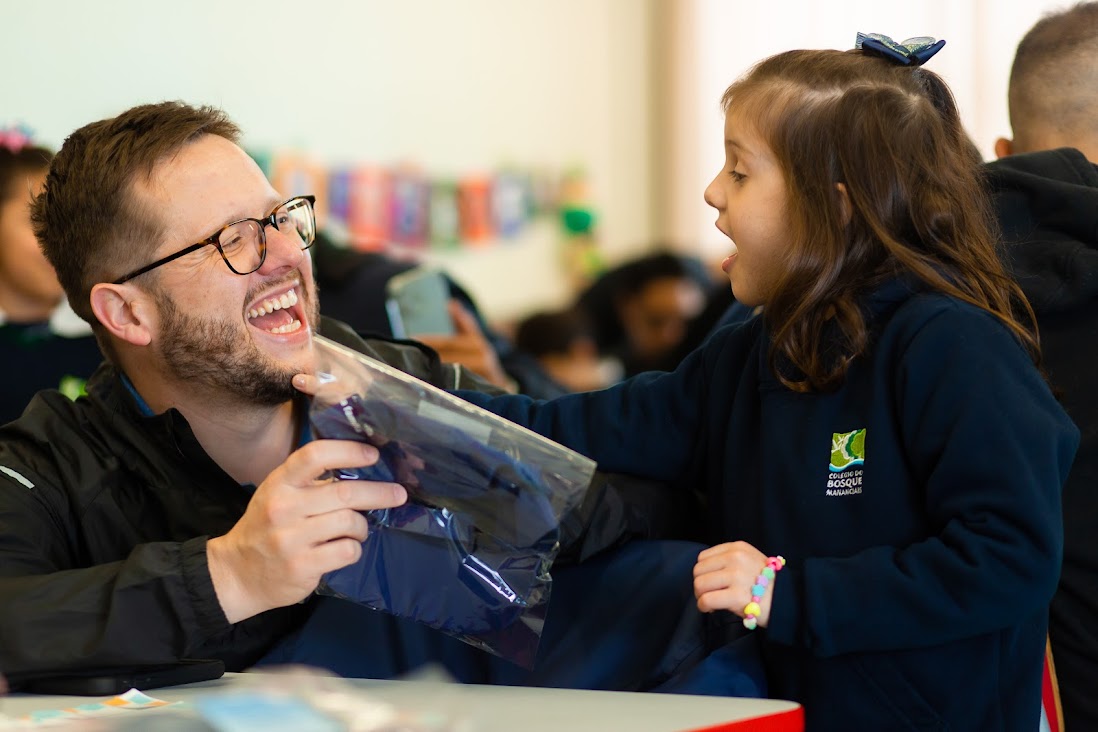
(922, 552)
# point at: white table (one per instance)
(505, 709)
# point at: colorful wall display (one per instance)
(402, 206)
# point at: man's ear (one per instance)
(1004, 148)
(845, 209)
(124, 311)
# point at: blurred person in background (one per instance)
(42, 342)
(563, 342)
(641, 310)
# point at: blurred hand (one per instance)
(723, 578)
(296, 528)
(469, 347)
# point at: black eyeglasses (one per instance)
(243, 243)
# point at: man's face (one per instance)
(244, 335)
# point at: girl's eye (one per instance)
(738, 177)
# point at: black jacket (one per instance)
(104, 517)
(105, 514)
(1047, 204)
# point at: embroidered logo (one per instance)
(847, 448)
(847, 456)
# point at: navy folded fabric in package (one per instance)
(470, 552)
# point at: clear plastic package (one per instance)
(470, 552)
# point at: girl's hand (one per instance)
(723, 578)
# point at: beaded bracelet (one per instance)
(766, 576)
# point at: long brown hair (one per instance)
(915, 203)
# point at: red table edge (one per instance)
(788, 721)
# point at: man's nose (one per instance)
(284, 248)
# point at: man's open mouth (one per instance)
(277, 313)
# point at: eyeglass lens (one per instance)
(243, 243)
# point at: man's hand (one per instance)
(469, 347)
(296, 528)
(723, 578)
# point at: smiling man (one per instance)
(175, 511)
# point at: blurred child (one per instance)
(564, 345)
(43, 343)
(641, 310)
(882, 426)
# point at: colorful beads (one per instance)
(752, 610)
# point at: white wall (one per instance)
(715, 41)
(627, 88)
(457, 87)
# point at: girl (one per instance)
(44, 344)
(884, 426)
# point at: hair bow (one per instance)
(910, 52)
(15, 138)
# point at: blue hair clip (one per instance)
(911, 52)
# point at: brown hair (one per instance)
(15, 165)
(89, 222)
(891, 135)
(1053, 77)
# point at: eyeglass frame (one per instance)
(268, 220)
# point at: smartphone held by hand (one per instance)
(416, 302)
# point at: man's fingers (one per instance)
(335, 555)
(360, 495)
(306, 384)
(319, 456)
(345, 524)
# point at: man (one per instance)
(175, 512)
(1046, 197)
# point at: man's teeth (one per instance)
(288, 328)
(288, 300)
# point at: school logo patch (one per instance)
(847, 448)
(847, 456)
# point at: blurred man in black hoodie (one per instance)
(1045, 187)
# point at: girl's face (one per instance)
(28, 282)
(749, 194)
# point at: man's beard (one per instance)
(221, 356)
